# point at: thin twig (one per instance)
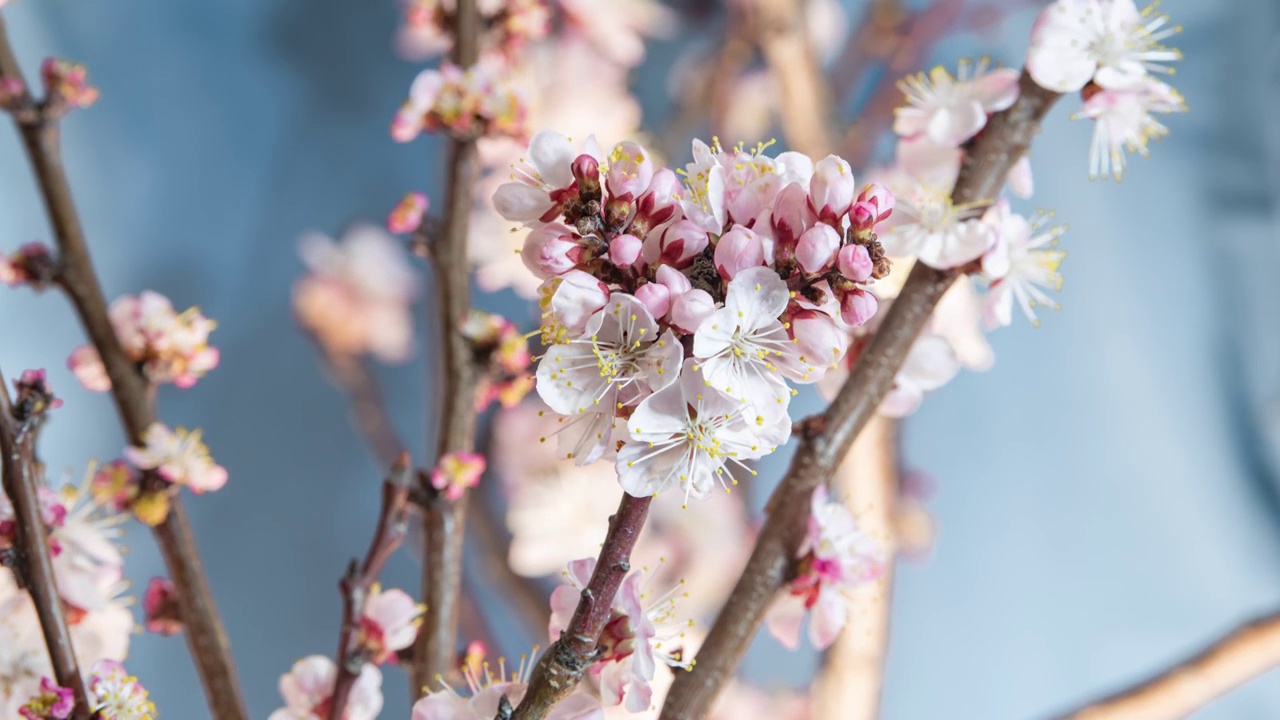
(1240, 656)
(361, 576)
(566, 661)
(805, 103)
(32, 564)
(445, 520)
(1006, 138)
(368, 410)
(849, 684)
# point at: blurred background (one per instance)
(1106, 496)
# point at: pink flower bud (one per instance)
(456, 473)
(624, 250)
(831, 188)
(737, 250)
(817, 247)
(690, 309)
(820, 341)
(68, 83)
(576, 297)
(874, 206)
(855, 263)
(791, 217)
(857, 307)
(630, 170)
(406, 216)
(586, 170)
(656, 297)
(551, 250)
(675, 280)
(681, 242)
(160, 606)
(659, 201)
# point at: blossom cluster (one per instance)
(67, 85)
(178, 458)
(501, 352)
(113, 694)
(168, 346)
(469, 102)
(510, 25)
(683, 309)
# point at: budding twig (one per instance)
(361, 576)
(566, 661)
(1007, 136)
(206, 638)
(445, 520)
(1240, 656)
(32, 564)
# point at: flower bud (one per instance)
(737, 250)
(617, 211)
(855, 263)
(630, 170)
(586, 170)
(576, 297)
(624, 250)
(874, 206)
(675, 280)
(857, 307)
(820, 341)
(690, 309)
(406, 216)
(790, 218)
(817, 247)
(681, 242)
(656, 297)
(551, 250)
(659, 201)
(831, 188)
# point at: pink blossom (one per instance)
(542, 179)
(308, 686)
(116, 695)
(857, 307)
(681, 242)
(407, 215)
(53, 703)
(791, 215)
(1124, 121)
(67, 83)
(1023, 264)
(552, 250)
(821, 343)
(624, 250)
(662, 198)
(115, 485)
(87, 366)
(179, 457)
(52, 512)
(690, 309)
(170, 347)
(617, 28)
(160, 605)
(472, 102)
(1107, 41)
(456, 473)
(930, 364)
(737, 250)
(655, 297)
(950, 110)
(854, 262)
(630, 170)
(389, 623)
(486, 692)
(572, 299)
(816, 249)
(873, 206)
(831, 188)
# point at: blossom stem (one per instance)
(825, 443)
(566, 661)
(445, 520)
(806, 103)
(32, 564)
(1240, 656)
(206, 637)
(360, 577)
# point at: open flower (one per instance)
(389, 623)
(53, 703)
(1107, 41)
(541, 178)
(308, 687)
(929, 226)
(457, 472)
(1124, 122)
(116, 695)
(171, 347)
(1027, 266)
(489, 693)
(930, 364)
(178, 456)
(950, 110)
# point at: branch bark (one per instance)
(33, 566)
(824, 444)
(360, 577)
(445, 521)
(566, 661)
(205, 635)
(806, 101)
(1240, 656)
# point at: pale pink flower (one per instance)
(160, 606)
(950, 110)
(930, 364)
(116, 695)
(171, 347)
(1107, 41)
(53, 703)
(690, 309)
(67, 83)
(456, 473)
(86, 365)
(617, 28)
(831, 189)
(1124, 121)
(308, 686)
(407, 215)
(389, 623)
(568, 302)
(1024, 265)
(89, 566)
(929, 226)
(478, 100)
(737, 250)
(488, 692)
(179, 456)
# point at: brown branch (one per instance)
(566, 661)
(849, 685)
(878, 34)
(32, 564)
(1240, 656)
(361, 576)
(205, 635)
(445, 520)
(368, 410)
(806, 103)
(992, 154)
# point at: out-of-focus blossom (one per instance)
(116, 695)
(930, 364)
(52, 512)
(950, 110)
(739, 700)
(179, 456)
(456, 473)
(389, 623)
(1109, 42)
(489, 694)
(32, 264)
(407, 215)
(66, 84)
(53, 703)
(472, 102)
(1026, 264)
(1124, 122)
(115, 485)
(160, 605)
(308, 686)
(32, 395)
(617, 27)
(502, 354)
(509, 24)
(356, 297)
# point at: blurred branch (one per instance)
(361, 576)
(368, 409)
(1240, 656)
(32, 563)
(825, 443)
(206, 638)
(778, 27)
(445, 520)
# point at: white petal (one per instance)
(552, 155)
(519, 202)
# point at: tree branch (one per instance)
(771, 566)
(566, 661)
(445, 520)
(368, 411)
(205, 635)
(361, 576)
(1240, 656)
(33, 566)
(806, 102)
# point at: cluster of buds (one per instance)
(66, 86)
(474, 102)
(682, 310)
(501, 352)
(33, 264)
(508, 24)
(168, 347)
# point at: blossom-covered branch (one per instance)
(31, 561)
(825, 441)
(36, 123)
(359, 587)
(1241, 655)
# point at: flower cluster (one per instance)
(456, 473)
(682, 310)
(308, 687)
(1108, 50)
(168, 346)
(114, 694)
(501, 352)
(834, 558)
(66, 85)
(641, 630)
(179, 458)
(53, 703)
(493, 695)
(470, 102)
(510, 23)
(356, 297)
(33, 264)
